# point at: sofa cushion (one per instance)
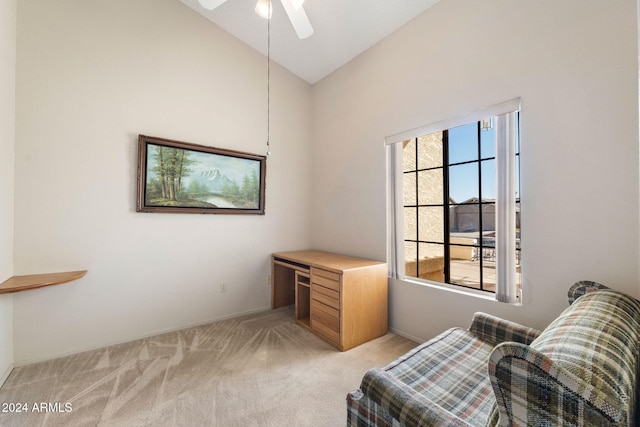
(450, 371)
(597, 339)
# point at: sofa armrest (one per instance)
(532, 389)
(582, 287)
(495, 330)
(403, 403)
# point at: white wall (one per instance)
(7, 149)
(91, 77)
(574, 64)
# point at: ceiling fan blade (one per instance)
(298, 19)
(211, 4)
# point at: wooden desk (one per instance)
(342, 299)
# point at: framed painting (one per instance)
(179, 177)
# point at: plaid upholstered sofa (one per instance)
(582, 370)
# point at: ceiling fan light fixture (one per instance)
(264, 9)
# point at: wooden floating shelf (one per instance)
(35, 281)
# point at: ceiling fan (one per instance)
(294, 10)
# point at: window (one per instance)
(456, 203)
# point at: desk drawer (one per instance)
(325, 296)
(327, 332)
(326, 273)
(329, 311)
(324, 320)
(325, 278)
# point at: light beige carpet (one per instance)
(255, 370)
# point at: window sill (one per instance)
(455, 289)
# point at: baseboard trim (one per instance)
(160, 332)
(6, 375)
(407, 336)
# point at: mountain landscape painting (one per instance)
(181, 177)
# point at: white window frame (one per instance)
(505, 123)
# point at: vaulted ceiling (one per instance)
(343, 29)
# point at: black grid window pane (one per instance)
(517, 185)
(462, 271)
(463, 182)
(489, 223)
(431, 224)
(518, 133)
(410, 224)
(489, 276)
(488, 143)
(460, 139)
(410, 257)
(431, 266)
(518, 269)
(488, 179)
(465, 218)
(410, 185)
(431, 187)
(409, 155)
(430, 151)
